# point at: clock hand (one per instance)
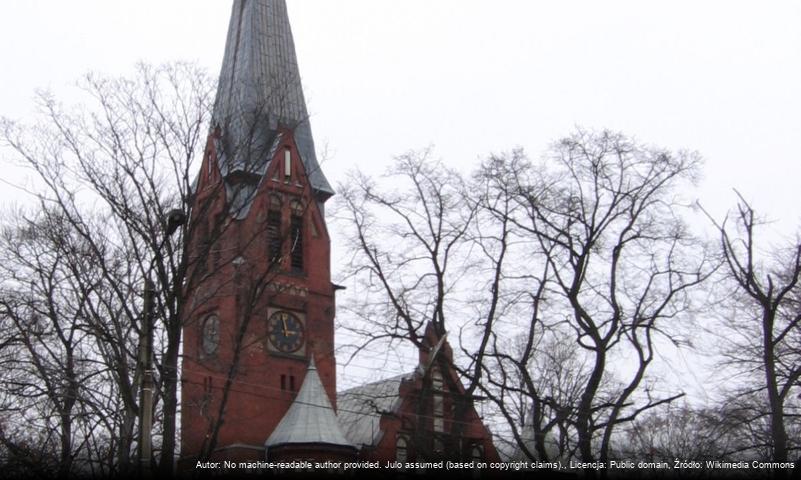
(283, 320)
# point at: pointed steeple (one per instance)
(260, 91)
(310, 419)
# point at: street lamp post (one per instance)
(146, 357)
(175, 219)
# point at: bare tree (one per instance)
(405, 243)
(115, 171)
(125, 159)
(48, 371)
(590, 247)
(622, 263)
(617, 267)
(409, 237)
(764, 327)
(534, 390)
(57, 379)
(681, 431)
(527, 363)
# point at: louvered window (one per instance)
(274, 236)
(296, 227)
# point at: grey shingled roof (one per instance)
(260, 90)
(360, 409)
(310, 418)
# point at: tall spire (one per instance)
(260, 91)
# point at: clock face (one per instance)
(211, 335)
(285, 332)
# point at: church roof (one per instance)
(360, 408)
(260, 91)
(310, 419)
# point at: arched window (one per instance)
(401, 449)
(297, 208)
(476, 456)
(287, 164)
(476, 453)
(438, 401)
(210, 335)
(296, 229)
(274, 230)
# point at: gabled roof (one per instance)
(360, 408)
(260, 91)
(310, 419)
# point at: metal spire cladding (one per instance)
(310, 419)
(260, 91)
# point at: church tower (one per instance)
(259, 328)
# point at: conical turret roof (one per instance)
(260, 91)
(310, 419)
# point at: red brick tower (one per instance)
(260, 300)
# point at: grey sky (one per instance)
(473, 77)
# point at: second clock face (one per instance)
(285, 332)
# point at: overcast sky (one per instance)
(473, 77)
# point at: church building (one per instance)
(258, 379)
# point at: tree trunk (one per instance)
(64, 463)
(126, 439)
(584, 411)
(777, 431)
